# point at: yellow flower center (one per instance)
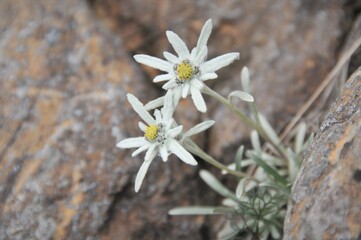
(151, 132)
(185, 71)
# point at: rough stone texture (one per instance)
(64, 79)
(355, 33)
(65, 67)
(288, 55)
(326, 200)
(289, 47)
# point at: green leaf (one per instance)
(275, 233)
(256, 144)
(216, 185)
(240, 187)
(269, 170)
(284, 189)
(247, 162)
(245, 79)
(241, 95)
(293, 164)
(239, 156)
(308, 141)
(300, 138)
(274, 161)
(271, 133)
(223, 210)
(197, 210)
(245, 184)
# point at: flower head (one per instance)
(187, 71)
(159, 137)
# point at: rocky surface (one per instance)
(64, 79)
(326, 200)
(65, 68)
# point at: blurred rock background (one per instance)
(65, 69)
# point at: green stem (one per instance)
(254, 111)
(246, 120)
(193, 148)
(223, 100)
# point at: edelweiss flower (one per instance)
(186, 73)
(159, 136)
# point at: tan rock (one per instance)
(64, 79)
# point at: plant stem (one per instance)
(193, 148)
(255, 125)
(223, 100)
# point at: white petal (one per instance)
(158, 116)
(218, 62)
(185, 90)
(132, 142)
(175, 131)
(139, 108)
(170, 84)
(163, 77)
(168, 108)
(154, 62)
(156, 103)
(171, 57)
(141, 174)
(183, 154)
(142, 126)
(139, 150)
(199, 128)
(151, 152)
(176, 96)
(193, 54)
(208, 76)
(198, 100)
(178, 45)
(197, 84)
(164, 153)
(205, 33)
(201, 56)
(170, 123)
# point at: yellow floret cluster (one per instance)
(151, 132)
(184, 71)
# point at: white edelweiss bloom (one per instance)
(186, 73)
(159, 137)
(198, 128)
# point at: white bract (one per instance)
(159, 137)
(187, 72)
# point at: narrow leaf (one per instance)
(286, 190)
(271, 133)
(244, 96)
(245, 79)
(269, 170)
(194, 210)
(256, 144)
(215, 184)
(239, 156)
(300, 138)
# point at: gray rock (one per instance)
(326, 200)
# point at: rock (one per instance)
(64, 79)
(288, 54)
(355, 33)
(325, 201)
(64, 74)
